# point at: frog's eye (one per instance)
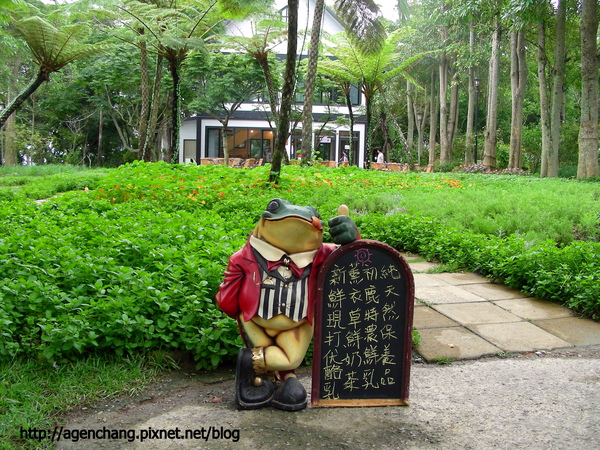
(273, 206)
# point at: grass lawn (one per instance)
(126, 261)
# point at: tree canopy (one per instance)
(122, 80)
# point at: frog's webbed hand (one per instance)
(343, 230)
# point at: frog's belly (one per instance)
(279, 322)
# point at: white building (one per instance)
(201, 135)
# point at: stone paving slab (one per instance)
(428, 280)
(425, 317)
(459, 278)
(422, 266)
(465, 316)
(453, 343)
(446, 294)
(476, 313)
(534, 309)
(519, 337)
(575, 330)
(494, 291)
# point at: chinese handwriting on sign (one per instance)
(363, 318)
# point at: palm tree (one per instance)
(287, 92)
(266, 35)
(52, 49)
(359, 18)
(369, 72)
(309, 85)
(171, 33)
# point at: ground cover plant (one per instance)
(134, 262)
(130, 263)
(41, 182)
(32, 395)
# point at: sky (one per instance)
(388, 9)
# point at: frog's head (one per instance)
(289, 227)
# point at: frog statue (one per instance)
(270, 287)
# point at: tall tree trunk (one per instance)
(453, 112)
(471, 101)
(410, 111)
(351, 150)
(445, 150)
(9, 144)
(433, 116)
(22, 96)
(448, 113)
(386, 104)
(225, 135)
(309, 86)
(173, 151)
(544, 99)
(287, 92)
(557, 88)
(155, 104)
(9, 149)
(489, 152)
(445, 77)
(263, 60)
(518, 83)
(142, 129)
(368, 92)
(2, 145)
(100, 126)
(587, 165)
(420, 125)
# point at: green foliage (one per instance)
(416, 337)
(480, 168)
(53, 48)
(568, 275)
(31, 394)
(133, 263)
(41, 182)
(222, 82)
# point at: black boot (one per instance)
(252, 391)
(290, 396)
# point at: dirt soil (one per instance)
(539, 400)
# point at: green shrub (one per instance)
(567, 172)
(568, 275)
(133, 263)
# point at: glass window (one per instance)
(345, 145)
(241, 143)
(354, 95)
(213, 143)
(326, 147)
(189, 150)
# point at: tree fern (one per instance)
(52, 49)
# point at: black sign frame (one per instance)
(385, 381)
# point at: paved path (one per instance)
(464, 316)
(537, 402)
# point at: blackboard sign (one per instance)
(363, 327)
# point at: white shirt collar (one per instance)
(272, 253)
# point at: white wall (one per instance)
(189, 131)
(248, 28)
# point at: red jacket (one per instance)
(240, 290)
